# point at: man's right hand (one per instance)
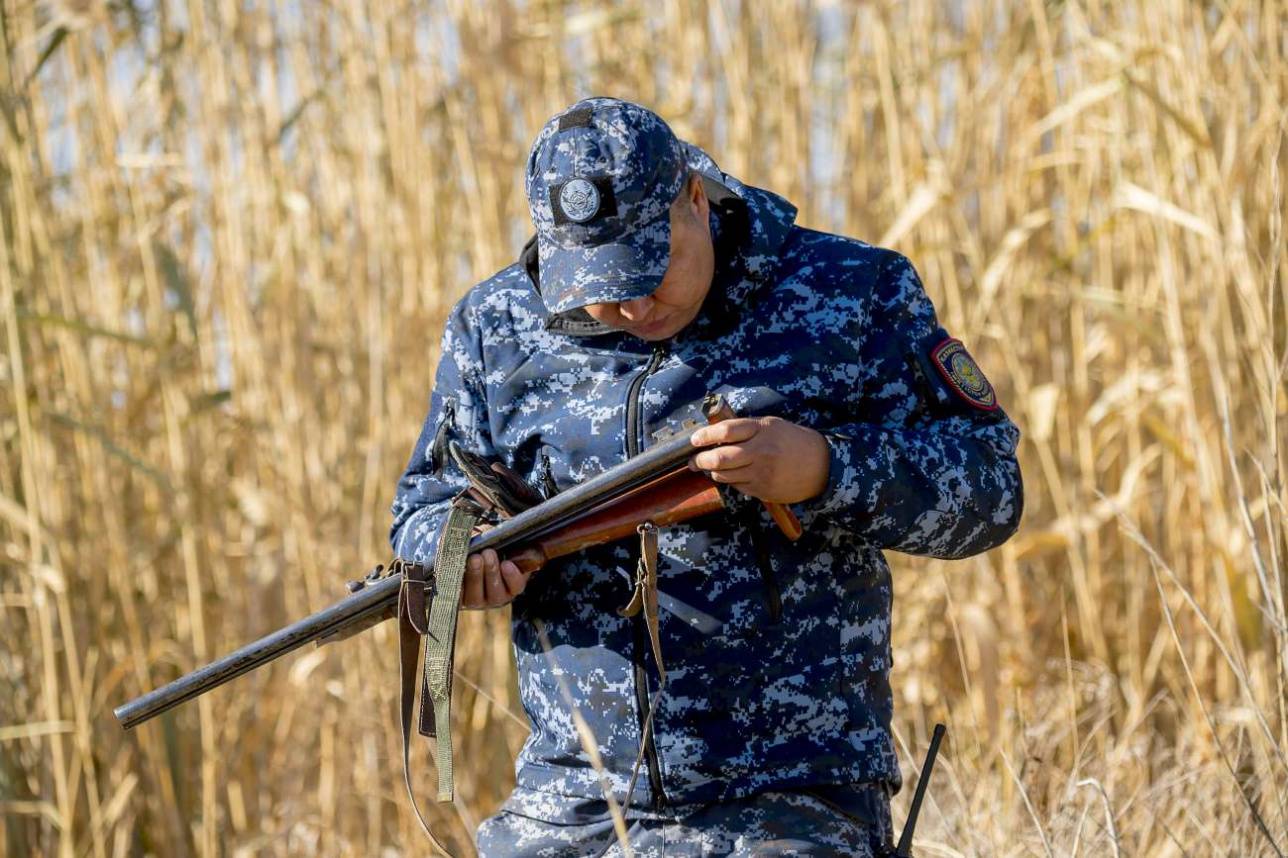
(490, 582)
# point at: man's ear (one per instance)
(697, 193)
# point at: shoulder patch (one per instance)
(963, 375)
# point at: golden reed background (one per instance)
(231, 232)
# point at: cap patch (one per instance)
(579, 200)
(576, 118)
(963, 375)
(582, 200)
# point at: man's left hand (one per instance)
(768, 458)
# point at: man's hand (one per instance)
(490, 582)
(768, 458)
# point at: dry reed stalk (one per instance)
(230, 236)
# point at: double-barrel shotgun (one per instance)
(637, 488)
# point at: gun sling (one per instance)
(437, 626)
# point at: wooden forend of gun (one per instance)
(654, 486)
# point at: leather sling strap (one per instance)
(411, 625)
(645, 598)
(438, 627)
(648, 560)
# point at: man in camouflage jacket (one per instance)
(655, 278)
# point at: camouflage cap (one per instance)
(600, 181)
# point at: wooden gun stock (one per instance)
(675, 497)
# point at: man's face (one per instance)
(676, 302)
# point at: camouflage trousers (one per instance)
(849, 820)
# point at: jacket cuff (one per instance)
(846, 487)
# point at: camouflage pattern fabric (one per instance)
(778, 654)
(600, 182)
(853, 822)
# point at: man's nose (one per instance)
(636, 308)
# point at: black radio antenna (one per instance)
(904, 849)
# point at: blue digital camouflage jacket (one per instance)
(777, 653)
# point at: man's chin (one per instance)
(655, 332)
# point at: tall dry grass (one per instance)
(231, 232)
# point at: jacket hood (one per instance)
(749, 227)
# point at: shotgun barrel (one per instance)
(380, 596)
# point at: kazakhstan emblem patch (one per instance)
(579, 199)
(963, 375)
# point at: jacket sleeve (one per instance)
(928, 466)
(457, 410)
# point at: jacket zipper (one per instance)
(641, 676)
(438, 447)
(633, 401)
